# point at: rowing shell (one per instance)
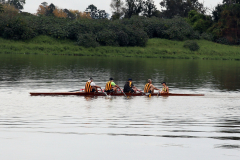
(111, 93)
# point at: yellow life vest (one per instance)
(88, 87)
(130, 84)
(108, 86)
(147, 88)
(164, 89)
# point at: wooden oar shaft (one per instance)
(123, 92)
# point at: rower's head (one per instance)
(149, 81)
(130, 79)
(111, 79)
(90, 79)
(164, 83)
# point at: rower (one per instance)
(91, 86)
(129, 87)
(165, 88)
(111, 86)
(149, 87)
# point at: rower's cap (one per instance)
(164, 83)
(111, 78)
(130, 79)
(90, 78)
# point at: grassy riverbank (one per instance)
(156, 48)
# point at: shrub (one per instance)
(122, 38)
(107, 38)
(137, 37)
(195, 35)
(238, 41)
(192, 45)
(87, 40)
(223, 40)
(17, 28)
(178, 29)
(207, 36)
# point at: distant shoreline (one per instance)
(155, 48)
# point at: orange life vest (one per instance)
(108, 86)
(88, 87)
(147, 88)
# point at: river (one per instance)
(73, 127)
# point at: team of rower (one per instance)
(128, 87)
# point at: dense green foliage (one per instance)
(180, 7)
(200, 22)
(18, 4)
(87, 40)
(192, 45)
(1, 8)
(226, 30)
(140, 21)
(91, 32)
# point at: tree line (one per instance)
(132, 22)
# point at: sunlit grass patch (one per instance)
(155, 48)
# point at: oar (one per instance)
(146, 94)
(122, 92)
(103, 92)
(158, 93)
(141, 92)
(77, 90)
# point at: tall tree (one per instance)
(50, 10)
(221, 7)
(217, 12)
(228, 22)
(117, 8)
(96, 13)
(57, 12)
(18, 4)
(1, 8)
(44, 4)
(133, 7)
(231, 1)
(102, 14)
(180, 7)
(46, 10)
(149, 8)
(70, 14)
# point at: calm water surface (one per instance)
(73, 127)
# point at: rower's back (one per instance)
(147, 86)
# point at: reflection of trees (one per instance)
(178, 73)
(12, 69)
(226, 74)
(230, 126)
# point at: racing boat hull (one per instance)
(111, 94)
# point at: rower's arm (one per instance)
(167, 90)
(154, 87)
(97, 86)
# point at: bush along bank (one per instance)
(97, 32)
(155, 48)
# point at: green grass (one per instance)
(156, 48)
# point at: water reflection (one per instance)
(208, 124)
(90, 98)
(183, 74)
(227, 146)
(229, 125)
